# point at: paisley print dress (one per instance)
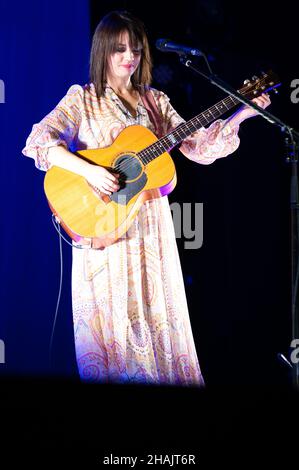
(130, 313)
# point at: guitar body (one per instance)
(96, 219)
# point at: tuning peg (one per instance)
(254, 77)
(246, 82)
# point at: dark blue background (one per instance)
(238, 282)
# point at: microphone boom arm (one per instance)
(231, 91)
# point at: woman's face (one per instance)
(124, 61)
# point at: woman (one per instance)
(130, 314)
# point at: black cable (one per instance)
(59, 295)
(57, 228)
(208, 63)
(80, 247)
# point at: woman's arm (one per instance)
(96, 175)
(211, 143)
(60, 156)
(50, 139)
(245, 112)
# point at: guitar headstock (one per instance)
(257, 85)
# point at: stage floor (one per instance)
(55, 420)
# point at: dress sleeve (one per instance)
(207, 144)
(59, 127)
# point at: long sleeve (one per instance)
(59, 127)
(207, 144)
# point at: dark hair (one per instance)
(105, 39)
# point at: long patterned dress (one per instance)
(130, 314)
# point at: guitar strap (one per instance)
(153, 112)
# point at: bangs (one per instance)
(135, 40)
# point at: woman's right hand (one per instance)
(102, 179)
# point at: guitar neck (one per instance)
(177, 135)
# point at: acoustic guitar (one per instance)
(146, 171)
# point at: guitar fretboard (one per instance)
(177, 135)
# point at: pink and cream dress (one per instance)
(130, 314)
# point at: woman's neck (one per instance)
(120, 87)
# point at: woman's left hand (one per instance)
(246, 112)
(262, 101)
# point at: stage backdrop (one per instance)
(44, 49)
(238, 282)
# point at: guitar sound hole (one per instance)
(132, 178)
(128, 167)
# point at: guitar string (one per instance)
(148, 152)
(153, 151)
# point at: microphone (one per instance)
(165, 45)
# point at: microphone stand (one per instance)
(292, 143)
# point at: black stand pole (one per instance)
(292, 158)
